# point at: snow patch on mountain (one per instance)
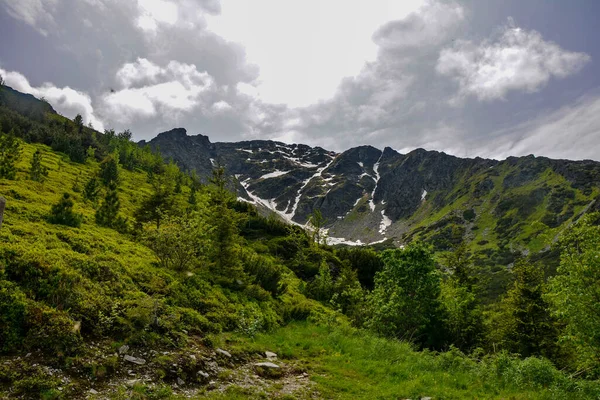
(376, 170)
(385, 222)
(274, 174)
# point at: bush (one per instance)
(51, 331)
(12, 316)
(62, 213)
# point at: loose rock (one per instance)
(223, 352)
(135, 360)
(267, 365)
(123, 349)
(270, 355)
(203, 374)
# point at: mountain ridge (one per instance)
(368, 195)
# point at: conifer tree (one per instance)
(463, 313)
(38, 172)
(109, 170)
(62, 213)
(224, 220)
(10, 152)
(108, 213)
(529, 326)
(91, 190)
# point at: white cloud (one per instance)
(153, 12)
(149, 89)
(221, 106)
(37, 13)
(139, 71)
(571, 132)
(518, 60)
(66, 101)
(304, 48)
(429, 26)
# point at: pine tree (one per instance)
(38, 172)
(463, 313)
(108, 213)
(109, 170)
(10, 152)
(224, 220)
(530, 327)
(62, 213)
(91, 190)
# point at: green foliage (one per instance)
(10, 151)
(463, 317)
(405, 302)
(62, 213)
(266, 273)
(109, 170)
(226, 264)
(162, 200)
(527, 327)
(38, 172)
(91, 190)
(363, 260)
(13, 307)
(107, 214)
(321, 287)
(575, 291)
(181, 243)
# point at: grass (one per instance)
(347, 363)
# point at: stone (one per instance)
(180, 381)
(270, 355)
(223, 352)
(135, 360)
(268, 370)
(123, 349)
(93, 391)
(267, 365)
(203, 374)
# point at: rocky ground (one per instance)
(196, 372)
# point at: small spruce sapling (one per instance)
(10, 152)
(38, 171)
(62, 213)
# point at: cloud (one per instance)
(153, 12)
(519, 60)
(571, 132)
(148, 89)
(67, 101)
(37, 13)
(429, 26)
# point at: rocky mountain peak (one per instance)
(368, 195)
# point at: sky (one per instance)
(492, 78)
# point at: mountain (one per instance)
(367, 195)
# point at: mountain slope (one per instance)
(367, 195)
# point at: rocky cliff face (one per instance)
(367, 195)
